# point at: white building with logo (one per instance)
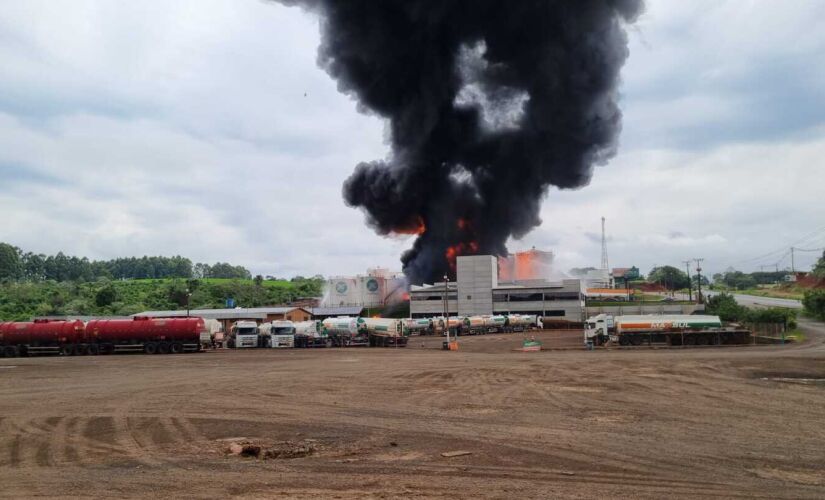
(377, 288)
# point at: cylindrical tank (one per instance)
(386, 327)
(143, 329)
(343, 325)
(42, 332)
(312, 328)
(418, 325)
(665, 323)
(522, 320)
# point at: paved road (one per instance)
(751, 301)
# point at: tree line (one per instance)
(17, 265)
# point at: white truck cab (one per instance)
(282, 335)
(597, 329)
(244, 335)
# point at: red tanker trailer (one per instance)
(42, 337)
(149, 335)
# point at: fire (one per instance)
(459, 249)
(461, 224)
(416, 227)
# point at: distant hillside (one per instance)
(25, 299)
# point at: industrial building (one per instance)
(228, 316)
(478, 290)
(377, 288)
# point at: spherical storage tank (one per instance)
(146, 329)
(42, 332)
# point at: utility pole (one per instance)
(446, 310)
(690, 280)
(699, 279)
(793, 267)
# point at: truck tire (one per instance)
(624, 340)
(176, 348)
(94, 349)
(11, 351)
(636, 340)
(163, 348)
(67, 350)
(690, 339)
(702, 340)
(82, 349)
(150, 348)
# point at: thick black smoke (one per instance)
(489, 102)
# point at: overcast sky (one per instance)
(204, 128)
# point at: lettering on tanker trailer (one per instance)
(670, 329)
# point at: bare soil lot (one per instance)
(353, 423)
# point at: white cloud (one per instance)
(204, 128)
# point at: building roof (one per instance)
(237, 313)
(336, 311)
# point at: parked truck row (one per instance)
(344, 331)
(104, 336)
(473, 325)
(675, 330)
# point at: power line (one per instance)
(779, 250)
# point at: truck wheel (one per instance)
(176, 348)
(81, 350)
(150, 348)
(94, 349)
(11, 351)
(163, 348)
(636, 340)
(67, 350)
(690, 339)
(701, 340)
(623, 340)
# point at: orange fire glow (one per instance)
(417, 227)
(459, 249)
(527, 265)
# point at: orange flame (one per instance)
(459, 249)
(416, 227)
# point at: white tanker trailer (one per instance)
(476, 325)
(521, 322)
(346, 331)
(675, 329)
(418, 326)
(384, 332)
(311, 334)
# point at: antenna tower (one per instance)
(604, 249)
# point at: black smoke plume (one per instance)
(489, 102)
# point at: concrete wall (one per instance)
(477, 275)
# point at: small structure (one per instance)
(228, 316)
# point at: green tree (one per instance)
(669, 277)
(814, 303)
(106, 295)
(819, 267)
(10, 265)
(725, 306)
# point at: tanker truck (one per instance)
(311, 334)
(477, 325)
(385, 332)
(149, 335)
(675, 329)
(522, 322)
(281, 334)
(243, 335)
(346, 331)
(43, 337)
(418, 326)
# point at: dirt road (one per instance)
(715, 422)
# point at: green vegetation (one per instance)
(814, 303)
(669, 277)
(23, 300)
(16, 265)
(725, 306)
(776, 293)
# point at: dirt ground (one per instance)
(354, 423)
